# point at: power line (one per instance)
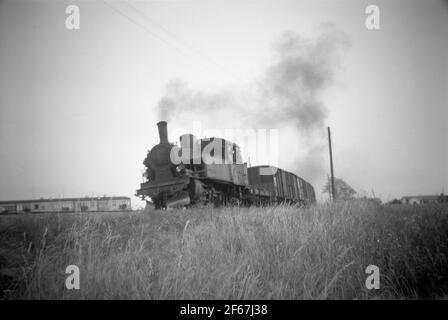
(181, 41)
(136, 23)
(155, 35)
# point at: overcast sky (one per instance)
(78, 108)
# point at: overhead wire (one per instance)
(181, 41)
(166, 42)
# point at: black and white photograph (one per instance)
(225, 150)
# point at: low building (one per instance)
(424, 199)
(87, 204)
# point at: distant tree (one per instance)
(343, 190)
(394, 201)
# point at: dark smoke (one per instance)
(287, 95)
(302, 70)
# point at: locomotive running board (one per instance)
(151, 188)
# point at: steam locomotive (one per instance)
(211, 171)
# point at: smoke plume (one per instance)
(288, 96)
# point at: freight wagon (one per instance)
(284, 186)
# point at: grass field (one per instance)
(279, 252)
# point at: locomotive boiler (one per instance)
(211, 170)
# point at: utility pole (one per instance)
(333, 191)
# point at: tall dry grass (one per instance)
(278, 252)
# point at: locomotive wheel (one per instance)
(158, 203)
(217, 199)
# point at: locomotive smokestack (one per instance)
(163, 132)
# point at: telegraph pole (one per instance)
(333, 191)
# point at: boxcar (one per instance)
(283, 185)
